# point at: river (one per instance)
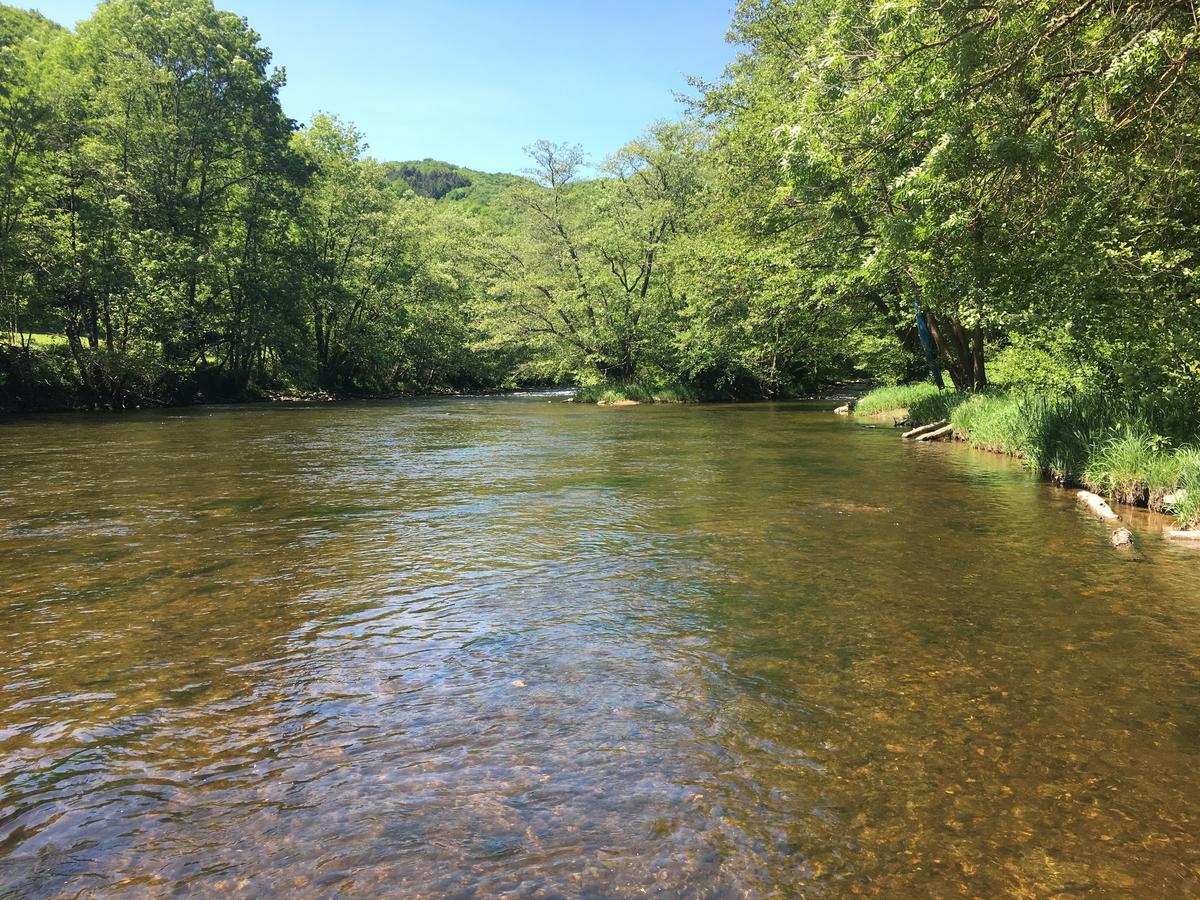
(472, 647)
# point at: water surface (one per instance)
(476, 647)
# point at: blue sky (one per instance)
(473, 81)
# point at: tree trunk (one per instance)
(961, 352)
(980, 373)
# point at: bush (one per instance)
(42, 377)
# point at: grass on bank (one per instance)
(895, 398)
(610, 392)
(1132, 454)
(35, 339)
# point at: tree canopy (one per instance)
(1006, 191)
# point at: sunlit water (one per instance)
(479, 646)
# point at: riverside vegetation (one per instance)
(1019, 179)
(1137, 453)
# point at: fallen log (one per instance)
(1098, 505)
(924, 429)
(943, 432)
(1177, 534)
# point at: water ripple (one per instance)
(488, 646)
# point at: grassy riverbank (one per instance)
(613, 393)
(1140, 454)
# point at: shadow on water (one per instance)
(486, 645)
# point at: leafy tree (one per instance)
(24, 40)
(1015, 181)
(581, 283)
(929, 152)
(164, 129)
(384, 310)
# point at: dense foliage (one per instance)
(1017, 180)
(1006, 191)
(169, 235)
(1023, 173)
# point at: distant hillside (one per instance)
(446, 182)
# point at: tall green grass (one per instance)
(1132, 468)
(993, 422)
(1187, 488)
(896, 397)
(1056, 436)
(936, 407)
(1134, 453)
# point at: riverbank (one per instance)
(1137, 455)
(282, 397)
(632, 393)
(41, 374)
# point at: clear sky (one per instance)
(473, 81)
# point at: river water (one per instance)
(472, 647)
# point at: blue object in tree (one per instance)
(931, 354)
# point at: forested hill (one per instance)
(439, 180)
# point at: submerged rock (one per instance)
(1122, 537)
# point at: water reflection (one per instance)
(481, 646)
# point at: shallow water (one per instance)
(478, 646)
